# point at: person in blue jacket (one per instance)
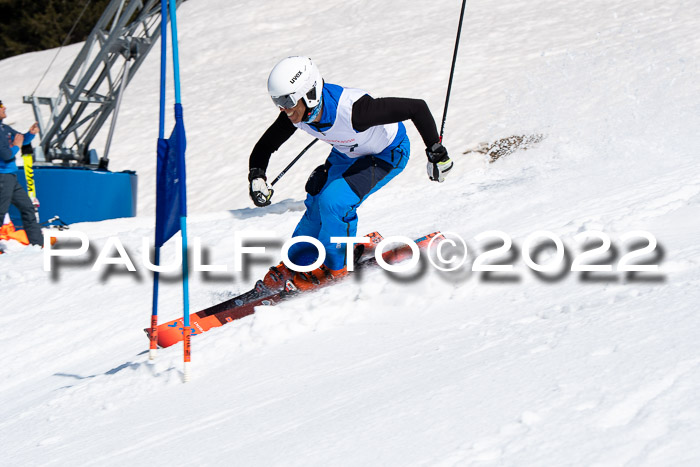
(370, 148)
(11, 192)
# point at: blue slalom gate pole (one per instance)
(186, 299)
(183, 218)
(176, 51)
(153, 348)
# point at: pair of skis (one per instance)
(243, 305)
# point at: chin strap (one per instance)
(311, 114)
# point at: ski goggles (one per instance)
(287, 101)
(2, 106)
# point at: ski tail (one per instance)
(405, 252)
(28, 161)
(364, 250)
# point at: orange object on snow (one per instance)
(8, 232)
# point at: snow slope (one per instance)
(433, 369)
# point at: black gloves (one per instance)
(260, 193)
(439, 163)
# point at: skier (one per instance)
(370, 147)
(11, 191)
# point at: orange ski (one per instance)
(243, 305)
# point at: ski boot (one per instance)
(277, 277)
(321, 277)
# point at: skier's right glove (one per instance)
(260, 193)
(439, 163)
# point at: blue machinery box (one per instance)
(81, 195)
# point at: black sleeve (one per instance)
(279, 132)
(368, 112)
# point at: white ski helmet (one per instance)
(295, 78)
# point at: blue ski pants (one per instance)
(333, 211)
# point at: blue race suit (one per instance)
(370, 148)
(359, 164)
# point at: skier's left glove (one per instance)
(439, 163)
(260, 192)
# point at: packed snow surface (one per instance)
(460, 368)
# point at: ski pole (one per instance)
(452, 71)
(293, 162)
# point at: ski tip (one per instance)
(435, 235)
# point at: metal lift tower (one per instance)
(71, 180)
(94, 85)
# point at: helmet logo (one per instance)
(291, 81)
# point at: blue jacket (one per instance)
(8, 152)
